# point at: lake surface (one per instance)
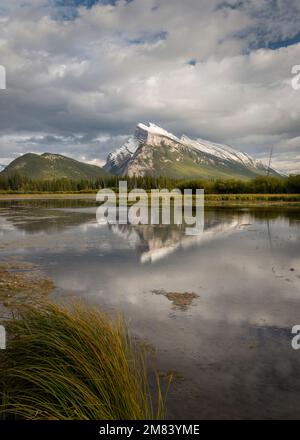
(231, 345)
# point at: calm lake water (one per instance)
(231, 347)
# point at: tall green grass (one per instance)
(74, 363)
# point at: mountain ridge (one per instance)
(49, 166)
(154, 151)
(150, 151)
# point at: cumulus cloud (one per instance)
(81, 74)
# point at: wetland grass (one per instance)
(74, 362)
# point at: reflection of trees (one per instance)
(274, 213)
(295, 221)
(48, 203)
(36, 216)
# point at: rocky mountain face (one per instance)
(2, 167)
(156, 152)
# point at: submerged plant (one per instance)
(73, 362)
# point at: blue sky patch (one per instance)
(68, 9)
(192, 62)
(148, 38)
(285, 43)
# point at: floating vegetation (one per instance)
(180, 300)
(22, 283)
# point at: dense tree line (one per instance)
(259, 185)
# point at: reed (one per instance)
(74, 362)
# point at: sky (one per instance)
(82, 73)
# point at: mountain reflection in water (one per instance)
(157, 242)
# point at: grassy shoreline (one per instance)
(73, 362)
(69, 360)
(211, 200)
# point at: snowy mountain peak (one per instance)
(155, 130)
(144, 134)
(153, 150)
(152, 134)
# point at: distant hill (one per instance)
(50, 166)
(153, 151)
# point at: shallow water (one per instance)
(231, 347)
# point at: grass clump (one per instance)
(74, 363)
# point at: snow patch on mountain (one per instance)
(156, 130)
(221, 151)
(52, 157)
(124, 153)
